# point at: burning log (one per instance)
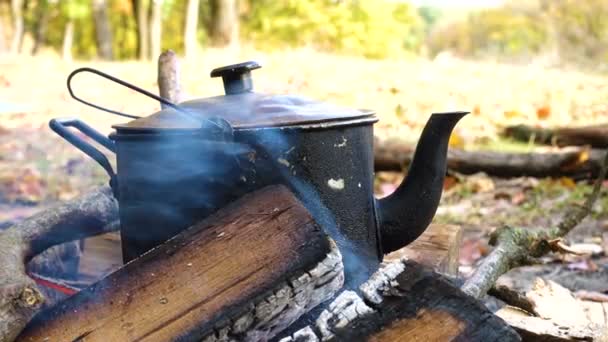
(246, 272)
(395, 155)
(20, 298)
(401, 302)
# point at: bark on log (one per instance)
(406, 302)
(396, 155)
(245, 273)
(20, 298)
(594, 136)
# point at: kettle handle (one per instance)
(60, 126)
(121, 82)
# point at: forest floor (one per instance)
(37, 168)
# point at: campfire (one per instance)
(243, 217)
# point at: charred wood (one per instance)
(406, 302)
(245, 273)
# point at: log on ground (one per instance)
(396, 155)
(595, 136)
(406, 302)
(245, 273)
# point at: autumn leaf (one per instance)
(449, 182)
(512, 114)
(543, 112)
(567, 182)
(456, 141)
(476, 110)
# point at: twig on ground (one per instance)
(515, 246)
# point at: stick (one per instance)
(168, 77)
(515, 246)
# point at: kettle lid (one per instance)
(243, 108)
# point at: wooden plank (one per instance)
(219, 271)
(438, 248)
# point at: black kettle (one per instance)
(182, 163)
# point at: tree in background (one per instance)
(143, 39)
(18, 26)
(191, 27)
(72, 10)
(40, 25)
(103, 30)
(224, 29)
(156, 27)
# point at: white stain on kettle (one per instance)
(343, 143)
(336, 184)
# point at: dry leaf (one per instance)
(456, 140)
(543, 112)
(567, 182)
(449, 182)
(476, 110)
(512, 114)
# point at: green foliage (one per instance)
(498, 32)
(581, 28)
(364, 27)
(573, 30)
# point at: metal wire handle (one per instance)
(123, 83)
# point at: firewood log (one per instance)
(395, 155)
(406, 302)
(245, 273)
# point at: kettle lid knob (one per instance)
(236, 77)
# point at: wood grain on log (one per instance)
(438, 248)
(246, 272)
(405, 302)
(395, 155)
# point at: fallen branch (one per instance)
(595, 136)
(516, 246)
(396, 155)
(20, 298)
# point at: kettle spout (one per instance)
(407, 212)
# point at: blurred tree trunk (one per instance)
(40, 26)
(190, 41)
(2, 39)
(224, 22)
(143, 37)
(18, 30)
(102, 29)
(156, 26)
(68, 39)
